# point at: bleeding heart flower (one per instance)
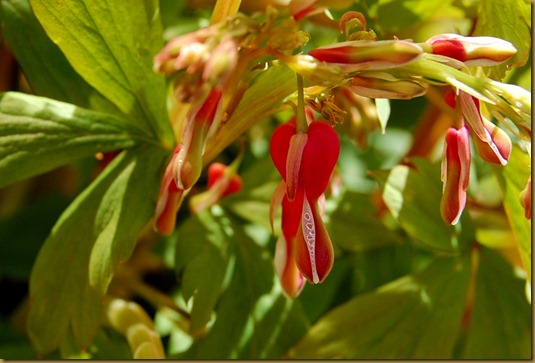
(305, 161)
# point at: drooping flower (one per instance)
(455, 175)
(472, 51)
(222, 181)
(491, 142)
(169, 200)
(305, 160)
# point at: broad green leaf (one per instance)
(355, 213)
(412, 194)
(513, 179)
(127, 206)
(260, 100)
(60, 291)
(395, 15)
(46, 68)
(509, 20)
(253, 320)
(112, 45)
(501, 321)
(203, 264)
(414, 317)
(38, 134)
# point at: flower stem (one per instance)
(223, 9)
(301, 123)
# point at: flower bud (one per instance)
(222, 181)
(473, 51)
(384, 85)
(362, 55)
(498, 149)
(169, 200)
(455, 174)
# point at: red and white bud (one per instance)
(456, 160)
(473, 51)
(360, 55)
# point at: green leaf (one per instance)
(112, 45)
(501, 322)
(412, 194)
(509, 20)
(395, 15)
(60, 291)
(204, 264)
(355, 212)
(46, 68)
(513, 179)
(253, 320)
(414, 317)
(38, 134)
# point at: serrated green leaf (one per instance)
(202, 254)
(38, 134)
(61, 295)
(509, 20)
(46, 68)
(125, 209)
(414, 317)
(112, 45)
(253, 320)
(501, 322)
(412, 194)
(513, 179)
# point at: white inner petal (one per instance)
(309, 233)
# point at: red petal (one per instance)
(319, 158)
(280, 144)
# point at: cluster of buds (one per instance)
(491, 143)
(305, 160)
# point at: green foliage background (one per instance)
(404, 284)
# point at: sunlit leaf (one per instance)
(416, 316)
(501, 323)
(112, 46)
(395, 15)
(60, 291)
(412, 194)
(509, 20)
(46, 68)
(38, 134)
(513, 178)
